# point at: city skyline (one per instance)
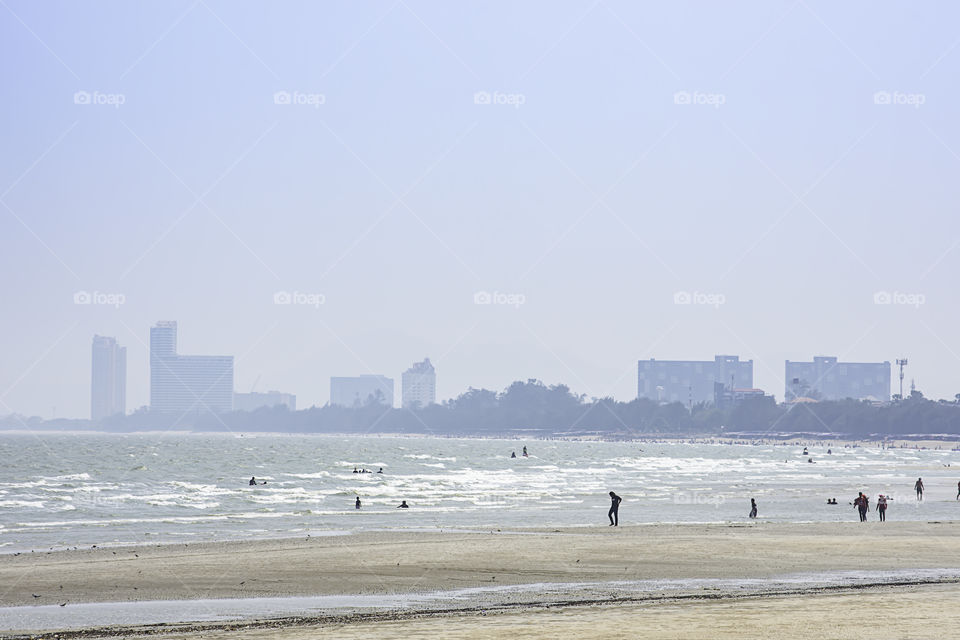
(816, 378)
(588, 186)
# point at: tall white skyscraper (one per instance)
(108, 378)
(180, 384)
(419, 385)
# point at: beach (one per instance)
(554, 576)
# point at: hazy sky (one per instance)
(628, 151)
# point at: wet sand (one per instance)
(418, 562)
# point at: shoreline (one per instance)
(312, 623)
(459, 574)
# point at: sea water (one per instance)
(65, 490)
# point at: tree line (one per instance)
(538, 409)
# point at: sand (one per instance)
(417, 562)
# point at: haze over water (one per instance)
(78, 490)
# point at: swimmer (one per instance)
(403, 505)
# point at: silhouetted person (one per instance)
(355, 470)
(614, 513)
(882, 507)
(403, 505)
(753, 508)
(358, 503)
(381, 470)
(513, 454)
(861, 504)
(525, 452)
(958, 491)
(253, 481)
(919, 488)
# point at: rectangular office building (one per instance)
(691, 381)
(108, 379)
(827, 379)
(359, 391)
(187, 384)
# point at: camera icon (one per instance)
(482, 297)
(682, 297)
(82, 297)
(481, 97)
(882, 297)
(282, 297)
(281, 97)
(882, 97)
(681, 97)
(81, 97)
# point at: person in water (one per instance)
(513, 454)
(753, 508)
(357, 506)
(614, 513)
(918, 486)
(381, 470)
(355, 470)
(525, 452)
(882, 507)
(403, 505)
(253, 481)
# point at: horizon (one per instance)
(551, 191)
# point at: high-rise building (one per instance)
(419, 385)
(253, 400)
(691, 381)
(827, 379)
(360, 391)
(182, 384)
(108, 379)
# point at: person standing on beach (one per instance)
(919, 488)
(882, 507)
(753, 508)
(861, 504)
(614, 513)
(958, 491)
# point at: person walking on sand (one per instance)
(753, 508)
(861, 504)
(614, 513)
(919, 488)
(882, 507)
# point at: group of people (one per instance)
(355, 470)
(513, 454)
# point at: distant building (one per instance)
(108, 378)
(419, 385)
(827, 379)
(181, 384)
(253, 401)
(725, 396)
(693, 381)
(362, 390)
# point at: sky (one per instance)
(548, 190)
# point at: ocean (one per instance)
(65, 490)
